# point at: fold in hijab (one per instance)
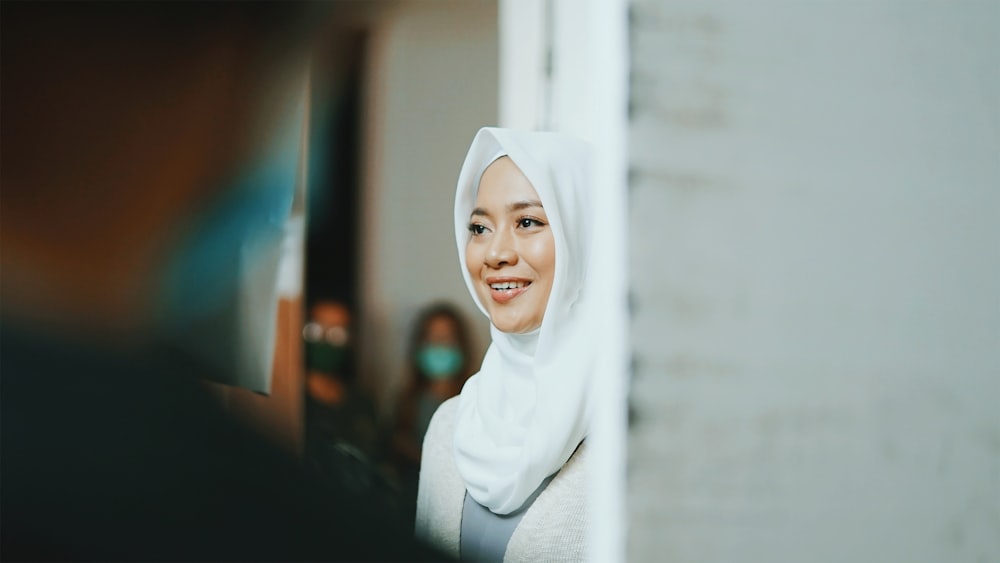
(521, 417)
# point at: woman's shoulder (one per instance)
(442, 423)
(440, 438)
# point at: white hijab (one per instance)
(521, 417)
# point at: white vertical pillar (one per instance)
(582, 90)
(589, 99)
(523, 52)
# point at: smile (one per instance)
(509, 285)
(506, 290)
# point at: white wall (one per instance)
(432, 83)
(815, 261)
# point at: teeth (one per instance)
(507, 285)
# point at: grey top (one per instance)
(484, 534)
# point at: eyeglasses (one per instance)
(335, 335)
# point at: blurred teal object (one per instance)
(218, 295)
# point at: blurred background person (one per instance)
(339, 412)
(439, 361)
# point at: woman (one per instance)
(439, 360)
(339, 411)
(503, 464)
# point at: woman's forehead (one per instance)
(441, 323)
(504, 184)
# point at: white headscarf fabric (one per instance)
(521, 417)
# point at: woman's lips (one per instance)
(502, 296)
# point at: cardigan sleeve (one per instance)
(441, 491)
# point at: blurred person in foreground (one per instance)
(137, 223)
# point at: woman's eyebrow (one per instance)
(516, 206)
(519, 205)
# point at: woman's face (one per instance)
(511, 255)
(440, 356)
(441, 331)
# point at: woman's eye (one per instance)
(528, 222)
(476, 229)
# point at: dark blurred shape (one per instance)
(107, 457)
(334, 172)
(121, 123)
(439, 360)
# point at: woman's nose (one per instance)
(501, 251)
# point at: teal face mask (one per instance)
(439, 362)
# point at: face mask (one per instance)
(218, 295)
(324, 357)
(439, 362)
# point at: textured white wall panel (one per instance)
(815, 272)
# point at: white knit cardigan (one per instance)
(553, 529)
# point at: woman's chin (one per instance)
(515, 326)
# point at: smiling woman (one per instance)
(511, 253)
(504, 470)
